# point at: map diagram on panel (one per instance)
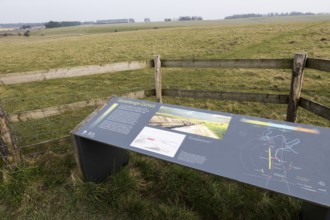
(274, 158)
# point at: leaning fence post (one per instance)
(9, 151)
(296, 85)
(158, 79)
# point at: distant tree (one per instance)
(295, 13)
(147, 20)
(55, 24)
(184, 18)
(25, 27)
(167, 19)
(251, 15)
(271, 14)
(196, 18)
(27, 33)
(52, 24)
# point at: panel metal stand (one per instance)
(310, 211)
(97, 160)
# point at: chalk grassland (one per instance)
(252, 39)
(48, 188)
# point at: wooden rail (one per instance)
(60, 109)
(16, 78)
(233, 96)
(34, 76)
(297, 65)
(230, 63)
(318, 64)
(315, 107)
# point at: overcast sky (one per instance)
(13, 11)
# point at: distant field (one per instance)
(5, 29)
(88, 45)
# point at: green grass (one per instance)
(266, 39)
(47, 187)
(145, 189)
(218, 130)
(29, 96)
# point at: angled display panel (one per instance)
(288, 158)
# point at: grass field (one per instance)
(250, 39)
(47, 187)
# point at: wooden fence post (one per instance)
(158, 79)
(296, 85)
(9, 151)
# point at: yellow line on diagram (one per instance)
(269, 158)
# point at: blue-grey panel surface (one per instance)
(284, 157)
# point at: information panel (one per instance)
(284, 157)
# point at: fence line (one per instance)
(60, 109)
(230, 63)
(297, 66)
(252, 97)
(53, 111)
(315, 107)
(318, 64)
(33, 76)
(233, 96)
(45, 144)
(307, 104)
(16, 78)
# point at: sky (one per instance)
(34, 11)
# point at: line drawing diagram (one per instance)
(273, 157)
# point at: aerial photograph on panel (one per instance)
(192, 122)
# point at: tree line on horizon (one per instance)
(271, 14)
(56, 24)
